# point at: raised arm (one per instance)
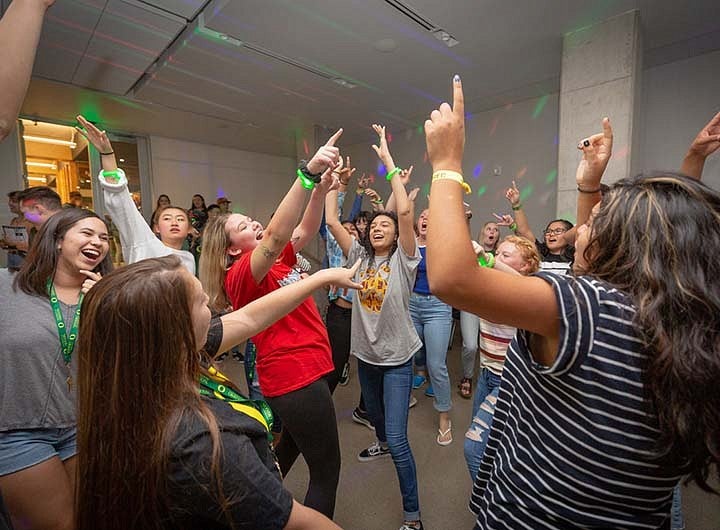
(523, 226)
(390, 206)
(249, 320)
(597, 150)
(403, 204)
(281, 227)
(19, 36)
(705, 143)
(454, 276)
(332, 218)
(134, 232)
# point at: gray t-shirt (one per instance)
(382, 332)
(33, 389)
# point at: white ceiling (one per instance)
(250, 73)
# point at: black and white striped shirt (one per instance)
(571, 444)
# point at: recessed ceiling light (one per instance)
(342, 82)
(444, 37)
(122, 160)
(385, 45)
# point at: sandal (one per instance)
(465, 387)
(443, 434)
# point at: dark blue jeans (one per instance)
(386, 390)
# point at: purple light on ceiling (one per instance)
(381, 169)
(422, 94)
(478, 171)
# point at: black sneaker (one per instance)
(373, 452)
(345, 376)
(362, 417)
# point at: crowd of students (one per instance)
(596, 393)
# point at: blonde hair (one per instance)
(214, 262)
(528, 251)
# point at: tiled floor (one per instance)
(368, 494)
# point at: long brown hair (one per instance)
(214, 262)
(137, 377)
(656, 238)
(42, 258)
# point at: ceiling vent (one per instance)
(419, 20)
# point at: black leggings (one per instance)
(310, 428)
(338, 327)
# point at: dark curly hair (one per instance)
(656, 237)
(365, 239)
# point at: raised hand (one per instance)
(374, 195)
(328, 182)
(512, 194)
(344, 172)
(504, 220)
(597, 150)
(327, 156)
(445, 132)
(382, 151)
(363, 181)
(707, 140)
(95, 136)
(405, 175)
(413, 194)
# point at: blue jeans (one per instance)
(386, 390)
(677, 521)
(433, 322)
(476, 437)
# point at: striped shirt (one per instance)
(494, 341)
(571, 444)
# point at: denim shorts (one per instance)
(22, 449)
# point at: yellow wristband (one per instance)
(452, 175)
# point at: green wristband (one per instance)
(114, 173)
(518, 207)
(305, 181)
(392, 173)
(490, 263)
(513, 227)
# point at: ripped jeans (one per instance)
(476, 437)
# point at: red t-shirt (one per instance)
(293, 352)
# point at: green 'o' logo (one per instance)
(61, 325)
(72, 336)
(221, 388)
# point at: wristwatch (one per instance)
(302, 167)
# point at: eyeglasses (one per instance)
(555, 232)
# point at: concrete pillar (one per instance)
(601, 69)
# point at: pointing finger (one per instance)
(334, 138)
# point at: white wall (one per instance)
(256, 183)
(518, 139)
(679, 98)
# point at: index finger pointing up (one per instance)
(458, 97)
(334, 138)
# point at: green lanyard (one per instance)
(67, 340)
(213, 389)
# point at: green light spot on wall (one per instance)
(420, 128)
(481, 191)
(540, 106)
(426, 189)
(551, 177)
(526, 192)
(89, 110)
